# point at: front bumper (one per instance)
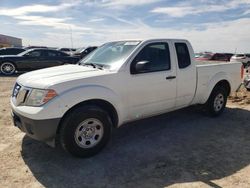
(42, 130)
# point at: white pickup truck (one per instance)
(119, 82)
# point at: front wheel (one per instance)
(85, 131)
(217, 101)
(8, 68)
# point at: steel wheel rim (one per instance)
(7, 68)
(89, 133)
(218, 102)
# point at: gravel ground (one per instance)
(179, 149)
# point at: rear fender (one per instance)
(212, 82)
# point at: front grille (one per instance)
(20, 94)
(16, 90)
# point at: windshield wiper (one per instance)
(94, 65)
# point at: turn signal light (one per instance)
(50, 94)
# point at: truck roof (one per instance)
(151, 39)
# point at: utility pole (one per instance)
(71, 37)
(235, 50)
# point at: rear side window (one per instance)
(35, 54)
(183, 55)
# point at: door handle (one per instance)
(170, 77)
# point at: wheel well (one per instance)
(224, 84)
(105, 105)
(9, 62)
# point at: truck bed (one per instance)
(211, 62)
(207, 71)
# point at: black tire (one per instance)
(219, 94)
(70, 126)
(5, 71)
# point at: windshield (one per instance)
(111, 54)
(79, 50)
(25, 52)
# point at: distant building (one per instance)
(8, 41)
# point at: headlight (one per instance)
(39, 97)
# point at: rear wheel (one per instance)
(85, 131)
(217, 101)
(8, 68)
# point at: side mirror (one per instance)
(141, 66)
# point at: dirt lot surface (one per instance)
(179, 149)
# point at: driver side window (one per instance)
(153, 57)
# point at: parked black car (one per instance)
(221, 56)
(33, 47)
(11, 51)
(82, 52)
(214, 57)
(34, 59)
(67, 50)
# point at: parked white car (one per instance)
(119, 82)
(243, 58)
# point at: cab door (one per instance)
(152, 81)
(186, 73)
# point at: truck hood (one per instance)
(44, 78)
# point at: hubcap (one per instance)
(89, 133)
(7, 68)
(218, 102)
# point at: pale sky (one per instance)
(215, 25)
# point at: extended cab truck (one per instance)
(119, 82)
